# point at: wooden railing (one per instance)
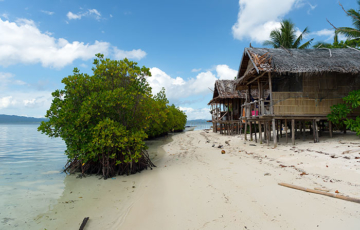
(256, 108)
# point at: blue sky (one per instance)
(187, 44)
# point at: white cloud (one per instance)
(6, 102)
(90, 12)
(5, 16)
(133, 54)
(7, 79)
(224, 72)
(193, 114)
(177, 88)
(257, 18)
(23, 42)
(47, 12)
(111, 16)
(196, 70)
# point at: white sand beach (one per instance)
(196, 187)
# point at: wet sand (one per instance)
(197, 187)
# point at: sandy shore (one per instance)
(197, 187)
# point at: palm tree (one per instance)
(286, 37)
(351, 33)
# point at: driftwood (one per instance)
(320, 192)
(84, 223)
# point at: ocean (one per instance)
(30, 173)
(200, 124)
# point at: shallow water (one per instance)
(30, 173)
(31, 182)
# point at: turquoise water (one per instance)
(30, 173)
(199, 124)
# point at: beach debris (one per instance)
(220, 146)
(222, 151)
(207, 141)
(346, 157)
(357, 158)
(337, 191)
(321, 193)
(327, 166)
(351, 151)
(227, 142)
(213, 145)
(303, 174)
(333, 156)
(84, 223)
(252, 145)
(267, 174)
(322, 189)
(133, 186)
(282, 166)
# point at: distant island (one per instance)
(13, 119)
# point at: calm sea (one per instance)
(30, 173)
(200, 124)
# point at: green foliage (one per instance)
(339, 113)
(336, 44)
(286, 37)
(352, 33)
(104, 118)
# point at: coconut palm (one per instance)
(286, 37)
(351, 33)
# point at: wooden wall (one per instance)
(319, 93)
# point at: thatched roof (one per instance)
(300, 61)
(226, 89)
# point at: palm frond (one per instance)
(348, 32)
(306, 44)
(299, 39)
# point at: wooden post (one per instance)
(274, 133)
(267, 133)
(314, 135)
(330, 129)
(260, 134)
(316, 132)
(281, 125)
(271, 97)
(245, 130)
(344, 129)
(303, 130)
(286, 131)
(250, 128)
(255, 131)
(293, 131)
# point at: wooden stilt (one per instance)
(314, 135)
(281, 125)
(250, 127)
(267, 133)
(260, 134)
(255, 131)
(286, 131)
(293, 131)
(274, 133)
(277, 128)
(245, 130)
(316, 132)
(330, 129)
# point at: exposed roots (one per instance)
(107, 167)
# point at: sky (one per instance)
(187, 44)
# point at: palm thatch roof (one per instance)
(301, 61)
(226, 89)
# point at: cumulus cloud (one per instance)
(133, 54)
(6, 102)
(256, 18)
(5, 16)
(23, 42)
(224, 72)
(90, 12)
(193, 114)
(177, 88)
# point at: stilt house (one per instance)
(225, 107)
(302, 86)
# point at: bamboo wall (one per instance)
(319, 93)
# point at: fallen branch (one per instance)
(84, 223)
(321, 193)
